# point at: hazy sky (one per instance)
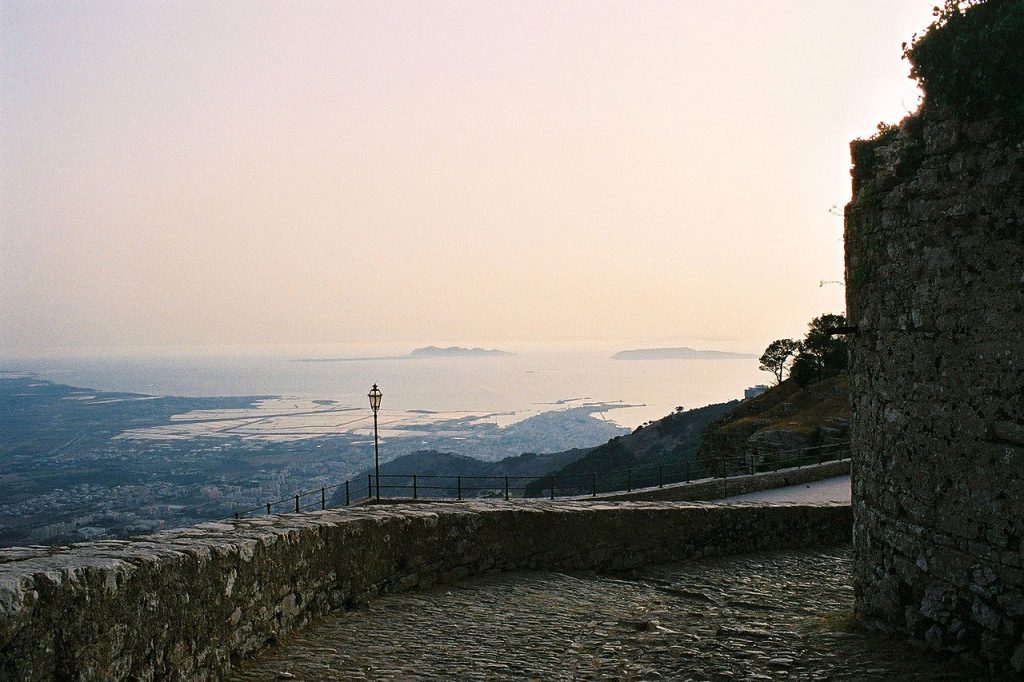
(508, 173)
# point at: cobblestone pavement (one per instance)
(754, 617)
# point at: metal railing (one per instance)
(458, 487)
(297, 502)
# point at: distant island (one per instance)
(682, 353)
(456, 352)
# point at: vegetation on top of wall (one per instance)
(865, 153)
(891, 155)
(970, 62)
(971, 59)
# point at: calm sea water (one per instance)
(522, 384)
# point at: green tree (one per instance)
(820, 354)
(777, 355)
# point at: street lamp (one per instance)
(375, 395)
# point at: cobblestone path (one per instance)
(755, 617)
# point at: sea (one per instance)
(513, 387)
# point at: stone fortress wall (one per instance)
(190, 603)
(935, 286)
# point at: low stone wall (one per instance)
(190, 603)
(717, 488)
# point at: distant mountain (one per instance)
(681, 353)
(456, 352)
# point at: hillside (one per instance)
(671, 441)
(784, 418)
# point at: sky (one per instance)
(199, 175)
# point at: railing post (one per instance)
(369, 485)
(268, 507)
(593, 485)
(660, 477)
(506, 488)
(458, 483)
(687, 472)
(348, 497)
(629, 480)
(415, 489)
(551, 480)
(323, 498)
(296, 504)
(237, 516)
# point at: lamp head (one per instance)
(375, 395)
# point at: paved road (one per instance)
(836, 489)
(756, 617)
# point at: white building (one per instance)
(755, 391)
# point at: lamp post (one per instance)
(375, 395)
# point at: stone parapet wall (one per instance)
(188, 604)
(717, 488)
(935, 285)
